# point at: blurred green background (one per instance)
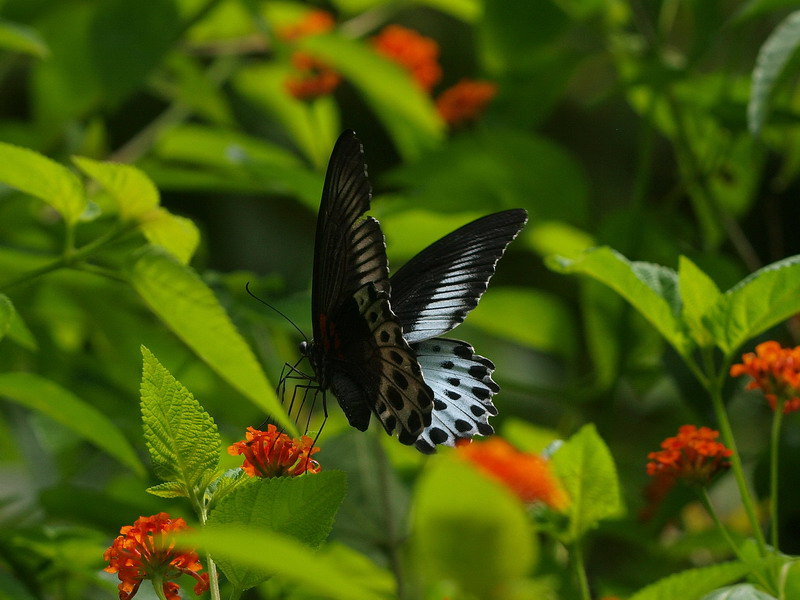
(618, 123)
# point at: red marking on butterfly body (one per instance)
(330, 337)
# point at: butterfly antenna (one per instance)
(267, 304)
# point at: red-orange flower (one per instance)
(314, 22)
(775, 371)
(273, 454)
(312, 77)
(416, 53)
(527, 475)
(146, 550)
(465, 101)
(694, 455)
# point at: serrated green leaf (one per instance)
(190, 309)
(177, 235)
(19, 38)
(698, 294)
(586, 469)
(131, 189)
(693, 583)
(226, 483)
(20, 333)
(761, 300)
(743, 591)
(300, 507)
(450, 520)
(406, 111)
(46, 397)
(650, 289)
(773, 57)
(181, 436)
(268, 551)
(169, 489)
(37, 175)
(6, 315)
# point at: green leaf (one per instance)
(586, 469)
(267, 551)
(300, 507)
(743, 591)
(405, 110)
(450, 520)
(186, 305)
(650, 289)
(169, 489)
(772, 58)
(529, 317)
(693, 583)
(131, 189)
(46, 397)
(698, 294)
(19, 38)
(177, 235)
(37, 175)
(181, 436)
(6, 315)
(761, 300)
(20, 333)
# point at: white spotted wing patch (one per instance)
(463, 388)
(403, 401)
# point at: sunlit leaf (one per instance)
(450, 520)
(773, 57)
(48, 398)
(37, 175)
(692, 584)
(190, 309)
(178, 235)
(19, 38)
(268, 551)
(649, 288)
(181, 436)
(743, 591)
(300, 507)
(131, 189)
(765, 298)
(405, 110)
(698, 293)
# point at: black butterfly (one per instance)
(375, 344)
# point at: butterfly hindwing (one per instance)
(463, 388)
(433, 292)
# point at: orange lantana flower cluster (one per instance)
(465, 101)
(415, 52)
(693, 455)
(271, 453)
(312, 77)
(775, 371)
(313, 23)
(527, 475)
(146, 550)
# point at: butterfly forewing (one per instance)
(433, 292)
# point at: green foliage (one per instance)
(586, 468)
(693, 583)
(302, 508)
(6, 315)
(182, 438)
(743, 591)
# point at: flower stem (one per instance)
(715, 390)
(775, 437)
(580, 570)
(158, 586)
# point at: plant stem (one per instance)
(715, 390)
(580, 570)
(775, 437)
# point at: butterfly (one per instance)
(376, 343)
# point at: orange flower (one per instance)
(314, 22)
(527, 475)
(146, 550)
(465, 101)
(775, 371)
(416, 53)
(273, 454)
(312, 79)
(694, 455)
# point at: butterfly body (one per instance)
(376, 342)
